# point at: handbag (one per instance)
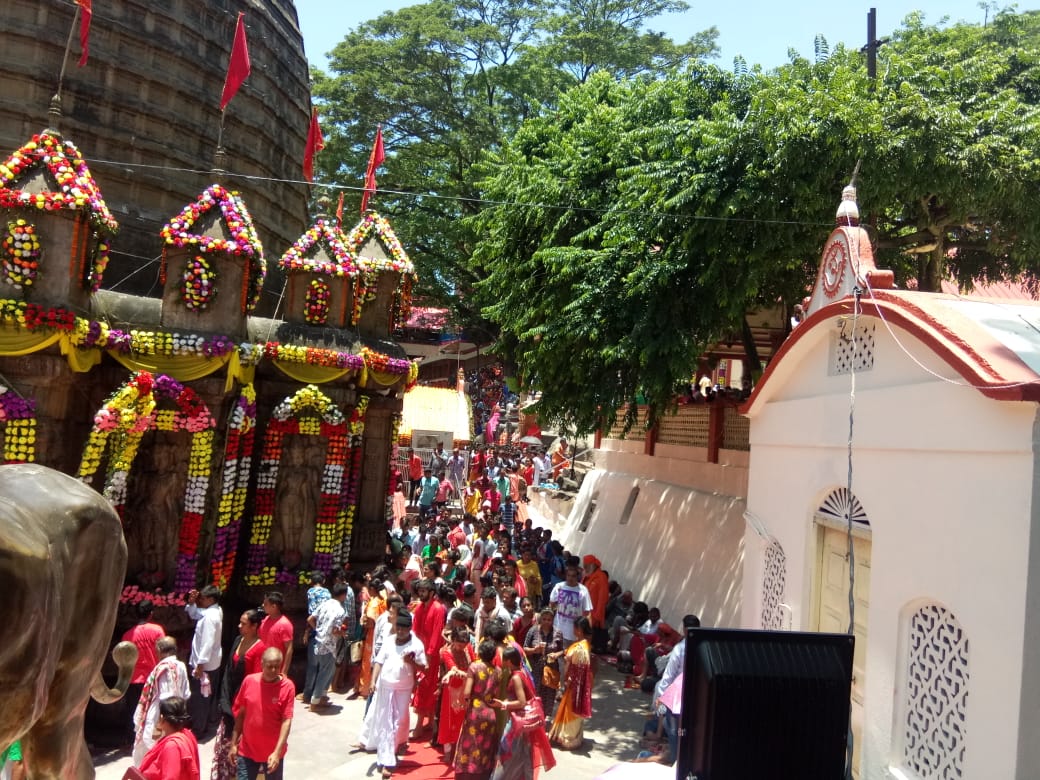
(356, 648)
(551, 677)
(531, 718)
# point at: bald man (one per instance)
(263, 716)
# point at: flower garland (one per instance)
(348, 512)
(19, 414)
(396, 260)
(308, 412)
(316, 303)
(314, 356)
(120, 425)
(21, 256)
(243, 241)
(238, 455)
(70, 171)
(395, 436)
(133, 594)
(377, 361)
(331, 236)
(199, 284)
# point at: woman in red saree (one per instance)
(455, 661)
(523, 751)
(568, 727)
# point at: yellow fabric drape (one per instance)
(308, 374)
(236, 371)
(20, 342)
(383, 378)
(80, 360)
(183, 368)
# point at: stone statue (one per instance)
(155, 504)
(62, 562)
(297, 501)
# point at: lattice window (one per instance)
(736, 430)
(840, 505)
(638, 430)
(688, 427)
(773, 584)
(934, 739)
(848, 353)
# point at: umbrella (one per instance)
(530, 440)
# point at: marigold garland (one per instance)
(198, 284)
(21, 254)
(316, 303)
(120, 425)
(238, 456)
(19, 416)
(329, 235)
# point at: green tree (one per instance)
(695, 198)
(449, 81)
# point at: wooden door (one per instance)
(831, 608)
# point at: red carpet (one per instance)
(422, 762)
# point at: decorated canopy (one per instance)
(305, 254)
(242, 240)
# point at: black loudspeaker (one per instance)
(764, 705)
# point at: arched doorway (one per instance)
(832, 585)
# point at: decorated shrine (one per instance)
(238, 450)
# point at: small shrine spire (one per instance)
(848, 210)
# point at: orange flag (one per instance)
(238, 66)
(339, 210)
(315, 143)
(373, 162)
(84, 31)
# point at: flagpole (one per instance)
(65, 59)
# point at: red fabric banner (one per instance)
(315, 143)
(373, 162)
(339, 210)
(84, 31)
(238, 66)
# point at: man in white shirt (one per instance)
(206, 655)
(570, 600)
(393, 675)
(328, 626)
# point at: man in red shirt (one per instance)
(263, 716)
(429, 618)
(276, 630)
(143, 636)
(415, 472)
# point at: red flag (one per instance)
(373, 162)
(84, 31)
(238, 66)
(315, 143)
(339, 210)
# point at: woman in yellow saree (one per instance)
(568, 727)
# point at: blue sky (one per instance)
(760, 31)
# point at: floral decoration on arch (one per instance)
(308, 412)
(118, 428)
(19, 417)
(238, 456)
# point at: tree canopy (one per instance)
(613, 221)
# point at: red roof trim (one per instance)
(996, 371)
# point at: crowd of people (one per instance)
(483, 626)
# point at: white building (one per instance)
(940, 392)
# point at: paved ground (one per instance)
(320, 744)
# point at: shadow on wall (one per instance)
(679, 549)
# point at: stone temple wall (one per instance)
(149, 95)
